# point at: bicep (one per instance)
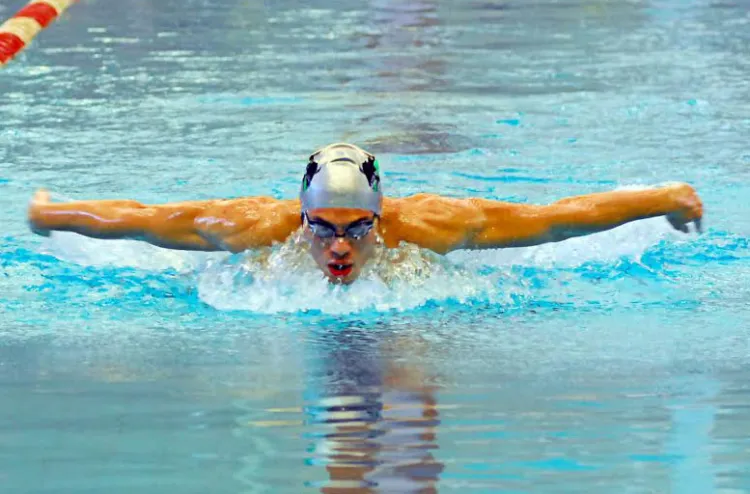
(437, 223)
(445, 224)
(170, 225)
(230, 225)
(249, 223)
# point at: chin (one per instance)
(342, 280)
(347, 280)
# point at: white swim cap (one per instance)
(342, 176)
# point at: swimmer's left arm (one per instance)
(583, 215)
(444, 224)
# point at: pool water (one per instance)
(616, 362)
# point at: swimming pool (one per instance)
(611, 363)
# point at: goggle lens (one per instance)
(356, 231)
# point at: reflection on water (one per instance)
(622, 366)
(404, 54)
(350, 407)
(401, 46)
(374, 423)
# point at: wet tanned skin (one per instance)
(433, 222)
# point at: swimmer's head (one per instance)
(342, 176)
(341, 200)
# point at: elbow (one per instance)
(560, 233)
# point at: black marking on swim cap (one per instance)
(312, 169)
(372, 171)
(377, 174)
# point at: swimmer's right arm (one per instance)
(212, 225)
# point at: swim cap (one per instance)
(342, 176)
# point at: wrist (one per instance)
(650, 203)
(673, 194)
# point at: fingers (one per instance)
(684, 227)
(41, 196)
(689, 209)
(678, 224)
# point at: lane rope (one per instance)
(18, 31)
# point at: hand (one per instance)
(41, 198)
(686, 207)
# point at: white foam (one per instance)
(87, 251)
(285, 279)
(630, 240)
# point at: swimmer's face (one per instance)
(341, 256)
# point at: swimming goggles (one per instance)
(327, 231)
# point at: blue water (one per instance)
(610, 363)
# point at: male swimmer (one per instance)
(344, 215)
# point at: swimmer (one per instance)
(344, 215)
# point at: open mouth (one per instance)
(340, 270)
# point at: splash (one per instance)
(87, 251)
(285, 279)
(631, 241)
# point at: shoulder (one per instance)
(429, 220)
(421, 201)
(239, 224)
(253, 207)
(232, 215)
(431, 206)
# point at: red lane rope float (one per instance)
(18, 31)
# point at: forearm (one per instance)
(100, 219)
(523, 225)
(593, 213)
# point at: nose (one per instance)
(340, 248)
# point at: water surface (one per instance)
(611, 363)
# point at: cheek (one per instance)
(366, 249)
(315, 248)
(318, 251)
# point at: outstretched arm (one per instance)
(445, 224)
(211, 225)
